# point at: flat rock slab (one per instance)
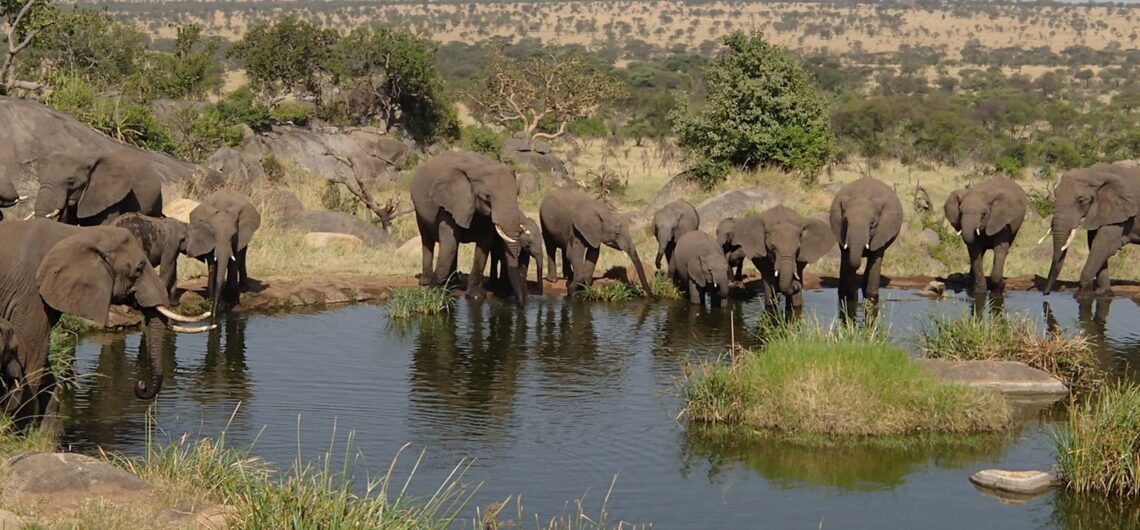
(1009, 377)
(1023, 483)
(58, 481)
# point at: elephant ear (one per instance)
(75, 278)
(835, 219)
(454, 193)
(200, 239)
(815, 241)
(697, 271)
(752, 237)
(953, 210)
(1115, 202)
(726, 231)
(249, 220)
(1004, 211)
(590, 226)
(890, 222)
(108, 184)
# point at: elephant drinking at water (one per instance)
(988, 216)
(670, 223)
(698, 265)
(866, 217)
(233, 221)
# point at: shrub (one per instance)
(1041, 201)
(607, 183)
(1099, 450)
(121, 119)
(663, 287)
(482, 140)
(588, 128)
(404, 302)
(241, 106)
(291, 112)
(334, 199)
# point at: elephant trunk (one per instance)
(971, 229)
(786, 272)
(633, 255)
(855, 243)
(51, 201)
(538, 265)
(515, 271)
(664, 241)
(722, 281)
(1063, 233)
(154, 340)
(8, 195)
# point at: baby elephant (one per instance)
(987, 215)
(699, 264)
(530, 246)
(670, 223)
(725, 231)
(164, 239)
(781, 242)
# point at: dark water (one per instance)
(554, 401)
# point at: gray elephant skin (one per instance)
(988, 216)
(781, 243)
(698, 266)
(865, 218)
(79, 271)
(1104, 199)
(530, 247)
(233, 220)
(670, 223)
(462, 197)
(725, 231)
(9, 197)
(163, 239)
(578, 225)
(91, 188)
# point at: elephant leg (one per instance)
(848, 280)
(977, 274)
(567, 265)
(796, 301)
(1106, 241)
(589, 263)
(213, 276)
(694, 293)
(169, 277)
(447, 260)
(768, 280)
(243, 272)
(872, 276)
(475, 277)
(551, 253)
(997, 273)
(427, 251)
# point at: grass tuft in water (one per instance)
(845, 381)
(609, 291)
(1069, 357)
(1099, 450)
(404, 302)
(663, 287)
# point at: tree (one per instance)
(561, 87)
(760, 109)
(24, 20)
(286, 58)
(190, 71)
(90, 44)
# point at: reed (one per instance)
(405, 302)
(1098, 451)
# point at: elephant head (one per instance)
(711, 270)
(85, 273)
(983, 209)
(670, 223)
(866, 215)
(80, 184)
(1088, 198)
(788, 240)
(530, 245)
(232, 221)
(598, 224)
(726, 236)
(9, 197)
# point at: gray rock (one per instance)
(340, 223)
(1019, 482)
(934, 289)
(59, 481)
(735, 203)
(929, 237)
(528, 183)
(1008, 377)
(281, 205)
(536, 158)
(677, 187)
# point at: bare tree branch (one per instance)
(387, 213)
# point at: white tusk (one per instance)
(22, 198)
(53, 213)
(777, 273)
(977, 231)
(868, 247)
(504, 235)
(31, 215)
(180, 317)
(233, 258)
(1072, 235)
(203, 329)
(796, 275)
(1047, 232)
(845, 246)
(959, 232)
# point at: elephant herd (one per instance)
(95, 238)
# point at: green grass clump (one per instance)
(1069, 357)
(809, 380)
(1099, 450)
(403, 302)
(609, 291)
(663, 287)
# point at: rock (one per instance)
(536, 158)
(180, 209)
(677, 187)
(339, 223)
(934, 289)
(10, 521)
(929, 237)
(122, 316)
(59, 481)
(411, 248)
(281, 205)
(1009, 377)
(735, 203)
(1019, 482)
(528, 182)
(208, 517)
(347, 242)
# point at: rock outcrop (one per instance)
(537, 163)
(339, 223)
(346, 242)
(179, 209)
(735, 203)
(52, 482)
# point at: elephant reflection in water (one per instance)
(685, 330)
(984, 303)
(1092, 319)
(223, 375)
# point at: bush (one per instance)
(404, 302)
(588, 128)
(1041, 201)
(121, 119)
(291, 112)
(760, 110)
(482, 140)
(607, 183)
(1099, 450)
(241, 106)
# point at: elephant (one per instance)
(988, 216)
(79, 271)
(670, 223)
(9, 197)
(464, 197)
(698, 265)
(781, 243)
(578, 225)
(90, 188)
(530, 247)
(866, 217)
(1104, 199)
(732, 253)
(233, 221)
(163, 239)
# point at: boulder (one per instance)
(934, 289)
(346, 242)
(207, 517)
(339, 223)
(1019, 482)
(59, 481)
(281, 205)
(180, 209)
(678, 187)
(1008, 377)
(735, 203)
(412, 248)
(536, 158)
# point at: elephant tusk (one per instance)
(777, 273)
(203, 329)
(867, 247)
(959, 232)
(21, 198)
(1072, 235)
(51, 214)
(796, 275)
(845, 246)
(30, 216)
(1045, 235)
(177, 317)
(233, 258)
(977, 231)
(524, 229)
(502, 234)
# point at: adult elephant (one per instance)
(988, 216)
(233, 221)
(463, 197)
(866, 217)
(781, 243)
(55, 269)
(578, 225)
(9, 197)
(670, 223)
(1104, 199)
(699, 267)
(725, 232)
(89, 188)
(530, 247)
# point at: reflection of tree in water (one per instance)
(850, 468)
(1094, 512)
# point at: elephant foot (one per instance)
(427, 280)
(1087, 293)
(476, 292)
(997, 286)
(1104, 292)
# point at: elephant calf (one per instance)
(163, 239)
(698, 265)
(988, 216)
(725, 233)
(530, 247)
(670, 223)
(866, 216)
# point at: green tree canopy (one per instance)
(190, 71)
(286, 57)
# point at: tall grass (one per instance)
(1098, 451)
(663, 287)
(608, 291)
(806, 379)
(403, 302)
(1069, 357)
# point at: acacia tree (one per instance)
(287, 57)
(557, 86)
(23, 21)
